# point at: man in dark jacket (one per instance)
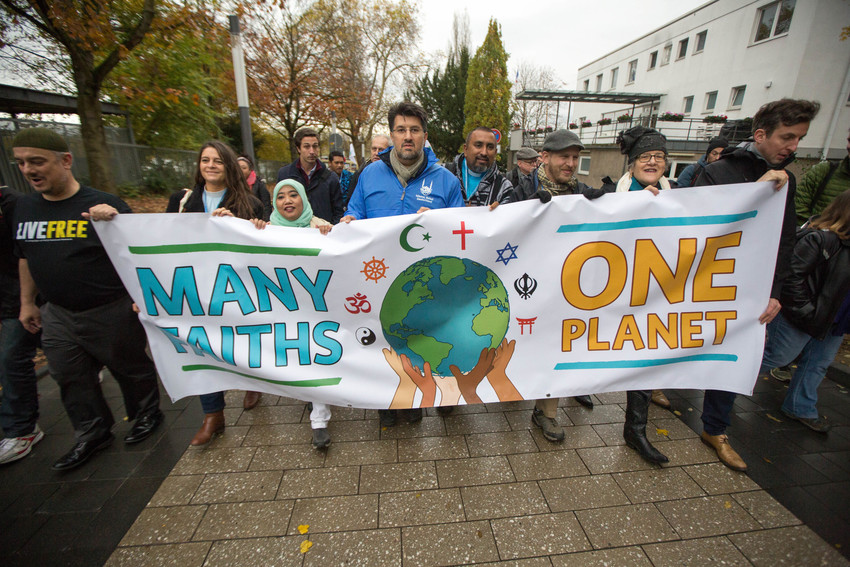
(475, 168)
(778, 128)
(322, 185)
(555, 175)
(715, 147)
(526, 160)
(19, 405)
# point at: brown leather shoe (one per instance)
(213, 425)
(251, 400)
(725, 452)
(659, 399)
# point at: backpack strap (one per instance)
(183, 200)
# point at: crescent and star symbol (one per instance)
(403, 238)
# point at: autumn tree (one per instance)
(287, 62)
(373, 55)
(178, 86)
(91, 39)
(488, 90)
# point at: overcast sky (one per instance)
(562, 34)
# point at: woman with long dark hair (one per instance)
(256, 185)
(219, 185)
(815, 311)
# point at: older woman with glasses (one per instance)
(647, 151)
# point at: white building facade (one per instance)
(727, 58)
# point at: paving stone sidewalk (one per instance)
(479, 486)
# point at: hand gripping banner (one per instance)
(532, 300)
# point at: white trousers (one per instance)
(320, 416)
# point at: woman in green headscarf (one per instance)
(291, 208)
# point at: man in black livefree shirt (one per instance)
(87, 321)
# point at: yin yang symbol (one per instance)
(365, 336)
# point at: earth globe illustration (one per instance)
(445, 310)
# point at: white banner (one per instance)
(456, 306)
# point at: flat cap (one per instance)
(561, 140)
(527, 153)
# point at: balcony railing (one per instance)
(689, 129)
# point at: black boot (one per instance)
(634, 431)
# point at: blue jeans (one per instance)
(19, 407)
(212, 403)
(784, 343)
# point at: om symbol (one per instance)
(358, 303)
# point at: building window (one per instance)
(632, 71)
(701, 36)
(774, 19)
(586, 85)
(599, 82)
(614, 72)
(710, 101)
(737, 98)
(653, 60)
(688, 105)
(584, 165)
(665, 54)
(677, 167)
(683, 49)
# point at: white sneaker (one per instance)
(14, 448)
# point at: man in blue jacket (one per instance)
(406, 179)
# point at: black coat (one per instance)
(528, 185)
(195, 203)
(261, 192)
(739, 165)
(323, 191)
(10, 291)
(818, 281)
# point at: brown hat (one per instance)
(40, 138)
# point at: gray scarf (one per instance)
(404, 172)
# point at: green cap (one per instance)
(40, 138)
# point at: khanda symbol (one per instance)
(525, 286)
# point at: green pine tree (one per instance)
(442, 96)
(488, 90)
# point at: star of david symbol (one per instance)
(503, 253)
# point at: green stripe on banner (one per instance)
(222, 247)
(656, 222)
(644, 363)
(295, 383)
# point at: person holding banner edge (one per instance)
(219, 183)
(87, 321)
(778, 128)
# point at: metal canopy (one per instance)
(587, 96)
(17, 100)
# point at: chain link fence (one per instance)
(135, 167)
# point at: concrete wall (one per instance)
(808, 62)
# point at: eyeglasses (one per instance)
(401, 130)
(659, 157)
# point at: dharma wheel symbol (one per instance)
(374, 269)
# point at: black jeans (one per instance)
(19, 408)
(78, 344)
